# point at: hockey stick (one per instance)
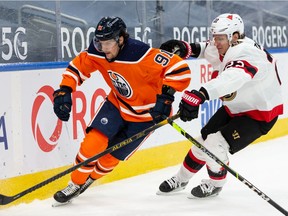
(234, 173)
(8, 199)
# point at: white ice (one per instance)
(264, 165)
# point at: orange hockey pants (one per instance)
(93, 143)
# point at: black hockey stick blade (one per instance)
(228, 168)
(4, 200)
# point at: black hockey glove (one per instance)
(180, 48)
(62, 102)
(189, 105)
(162, 108)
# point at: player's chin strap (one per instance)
(8, 199)
(234, 173)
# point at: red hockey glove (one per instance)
(180, 48)
(189, 105)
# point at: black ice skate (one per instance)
(205, 189)
(68, 193)
(87, 184)
(171, 185)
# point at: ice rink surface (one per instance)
(264, 165)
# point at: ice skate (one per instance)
(204, 190)
(68, 193)
(171, 185)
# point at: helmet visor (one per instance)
(101, 45)
(219, 38)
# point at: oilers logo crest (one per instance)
(120, 84)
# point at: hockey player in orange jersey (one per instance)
(143, 81)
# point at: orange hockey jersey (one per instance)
(135, 77)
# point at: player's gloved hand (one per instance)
(62, 102)
(162, 108)
(180, 48)
(189, 105)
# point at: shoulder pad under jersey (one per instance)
(133, 50)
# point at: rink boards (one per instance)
(31, 150)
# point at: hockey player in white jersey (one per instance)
(250, 88)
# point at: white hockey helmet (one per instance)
(227, 24)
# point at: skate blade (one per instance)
(171, 192)
(57, 204)
(191, 196)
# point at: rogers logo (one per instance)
(39, 118)
(45, 144)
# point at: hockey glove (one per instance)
(180, 48)
(162, 108)
(62, 103)
(189, 105)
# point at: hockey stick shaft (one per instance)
(8, 199)
(230, 170)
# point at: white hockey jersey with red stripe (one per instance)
(248, 81)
